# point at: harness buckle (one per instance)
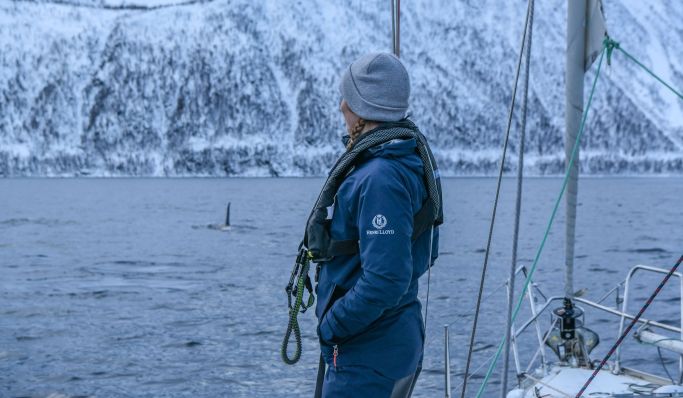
(301, 259)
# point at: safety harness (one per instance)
(317, 237)
(318, 246)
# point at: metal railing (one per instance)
(537, 311)
(627, 284)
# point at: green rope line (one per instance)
(293, 324)
(611, 45)
(550, 223)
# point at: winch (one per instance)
(569, 339)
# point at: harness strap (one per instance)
(345, 247)
(320, 378)
(422, 221)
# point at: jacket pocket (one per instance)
(337, 293)
(323, 301)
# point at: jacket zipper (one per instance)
(334, 356)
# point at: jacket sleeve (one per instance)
(385, 225)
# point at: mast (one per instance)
(576, 31)
(396, 27)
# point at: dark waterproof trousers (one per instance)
(362, 382)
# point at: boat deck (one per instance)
(566, 382)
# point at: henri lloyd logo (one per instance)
(379, 222)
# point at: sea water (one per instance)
(119, 287)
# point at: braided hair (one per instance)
(356, 132)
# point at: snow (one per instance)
(152, 87)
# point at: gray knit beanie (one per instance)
(377, 87)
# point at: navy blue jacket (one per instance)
(367, 302)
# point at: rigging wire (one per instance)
(494, 291)
(518, 204)
(572, 158)
(474, 372)
(495, 205)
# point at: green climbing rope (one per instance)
(550, 223)
(303, 282)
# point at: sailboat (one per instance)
(562, 365)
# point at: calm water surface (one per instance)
(117, 288)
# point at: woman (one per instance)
(370, 321)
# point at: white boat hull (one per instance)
(565, 381)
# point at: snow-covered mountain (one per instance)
(243, 87)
